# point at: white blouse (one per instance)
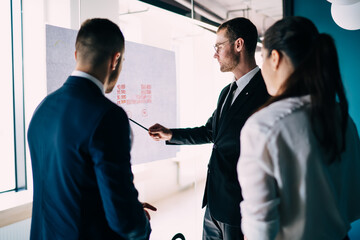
(289, 191)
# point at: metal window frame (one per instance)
(288, 8)
(18, 95)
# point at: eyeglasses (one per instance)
(217, 46)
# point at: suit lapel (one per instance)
(219, 106)
(239, 101)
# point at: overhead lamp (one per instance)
(346, 13)
(343, 2)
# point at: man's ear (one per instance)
(275, 59)
(239, 44)
(75, 55)
(115, 60)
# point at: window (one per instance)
(12, 145)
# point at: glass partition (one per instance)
(7, 163)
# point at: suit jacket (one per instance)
(80, 151)
(222, 191)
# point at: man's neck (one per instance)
(243, 68)
(97, 73)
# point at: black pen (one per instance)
(139, 124)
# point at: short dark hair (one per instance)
(98, 39)
(241, 28)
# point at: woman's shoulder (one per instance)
(270, 116)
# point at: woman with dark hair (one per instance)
(299, 168)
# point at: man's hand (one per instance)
(148, 206)
(159, 132)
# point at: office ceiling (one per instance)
(263, 13)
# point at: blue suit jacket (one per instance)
(80, 152)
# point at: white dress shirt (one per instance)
(241, 84)
(289, 190)
(243, 81)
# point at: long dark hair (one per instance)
(316, 73)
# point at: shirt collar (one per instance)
(244, 80)
(96, 81)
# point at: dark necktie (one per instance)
(229, 99)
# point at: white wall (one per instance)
(16, 231)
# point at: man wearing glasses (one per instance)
(235, 51)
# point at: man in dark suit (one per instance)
(80, 149)
(235, 51)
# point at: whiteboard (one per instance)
(146, 88)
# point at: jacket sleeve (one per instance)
(196, 135)
(259, 209)
(110, 151)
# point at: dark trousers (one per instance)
(216, 230)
